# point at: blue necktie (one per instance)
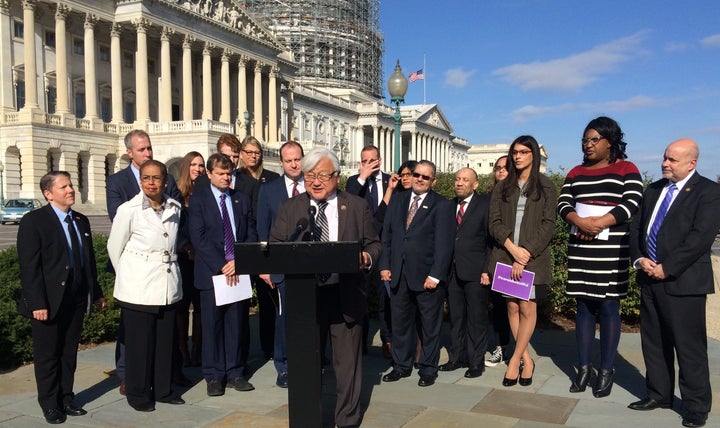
(657, 223)
(373, 194)
(227, 230)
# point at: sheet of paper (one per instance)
(503, 283)
(226, 294)
(586, 210)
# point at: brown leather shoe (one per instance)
(122, 387)
(387, 350)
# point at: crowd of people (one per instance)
(172, 240)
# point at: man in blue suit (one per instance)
(121, 187)
(219, 217)
(290, 184)
(417, 242)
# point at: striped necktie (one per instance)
(322, 232)
(657, 223)
(461, 212)
(227, 230)
(412, 211)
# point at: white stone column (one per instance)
(31, 91)
(91, 93)
(242, 92)
(116, 73)
(7, 90)
(291, 111)
(142, 102)
(207, 113)
(165, 78)
(225, 86)
(376, 138)
(187, 87)
(61, 73)
(272, 105)
(257, 102)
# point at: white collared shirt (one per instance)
(228, 204)
(289, 185)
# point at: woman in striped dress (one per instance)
(597, 200)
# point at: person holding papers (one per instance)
(598, 199)
(141, 247)
(219, 217)
(522, 223)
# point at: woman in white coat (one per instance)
(141, 247)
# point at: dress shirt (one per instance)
(289, 185)
(331, 213)
(378, 183)
(136, 173)
(680, 184)
(228, 204)
(467, 203)
(420, 204)
(61, 216)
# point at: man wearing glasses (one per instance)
(417, 249)
(342, 302)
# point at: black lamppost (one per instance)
(397, 86)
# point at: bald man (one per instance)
(670, 243)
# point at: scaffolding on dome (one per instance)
(336, 43)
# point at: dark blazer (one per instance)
(269, 199)
(244, 184)
(207, 234)
(354, 224)
(45, 261)
(122, 186)
(425, 248)
(266, 175)
(354, 187)
(685, 238)
(472, 248)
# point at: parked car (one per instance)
(15, 209)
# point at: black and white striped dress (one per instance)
(599, 269)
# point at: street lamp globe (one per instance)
(397, 84)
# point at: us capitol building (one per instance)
(76, 76)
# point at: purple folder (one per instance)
(503, 282)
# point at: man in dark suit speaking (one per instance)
(342, 299)
(59, 280)
(417, 242)
(670, 243)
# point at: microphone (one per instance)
(301, 225)
(311, 216)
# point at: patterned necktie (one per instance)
(295, 190)
(227, 230)
(322, 232)
(461, 212)
(76, 261)
(657, 223)
(413, 210)
(372, 194)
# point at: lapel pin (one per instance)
(425, 207)
(687, 189)
(343, 207)
(236, 201)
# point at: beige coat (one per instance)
(141, 247)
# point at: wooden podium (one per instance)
(300, 262)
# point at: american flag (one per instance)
(417, 75)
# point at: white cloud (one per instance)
(458, 77)
(677, 47)
(525, 112)
(711, 41)
(573, 72)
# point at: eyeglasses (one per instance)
(406, 174)
(151, 178)
(591, 141)
(521, 152)
(423, 176)
(499, 168)
(251, 153)
(323, 176)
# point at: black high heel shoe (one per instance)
(510, 382)
(604, 383)
(584, 374)
(527, 381)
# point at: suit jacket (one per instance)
(122, 186)
(207, 234)
(244, 184)
(472, 239)
(354, 187)
(425, 248)
(685, 238)
(269, 199)
(266, 175)
(44, 258)
(354, 224)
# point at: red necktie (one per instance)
(461, 212)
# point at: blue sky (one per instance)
(500, 69)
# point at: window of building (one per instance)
(18, 29)
(104, 53)
(78, 46)
(127, 60)
(51, 99)
(492, 164)
(49, 38)
(79, 105)
(129, 112)
(105, 109)
(20, 94)
(151, 66)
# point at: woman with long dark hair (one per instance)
(522, 222)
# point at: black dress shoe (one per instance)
(171, 399)
(282, 380)
(147, 407)
(476, 371)
(394, 375)
(54, 416)
(584, 374)
(649, 404)
(693, 420)
(240, 384)
(72, 410)
(426, 380)
(451, 366)
(215, 388)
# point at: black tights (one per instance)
(588, 311)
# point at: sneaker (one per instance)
(496, 357)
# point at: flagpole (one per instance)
(424, 81)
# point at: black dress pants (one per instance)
(468, 301)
